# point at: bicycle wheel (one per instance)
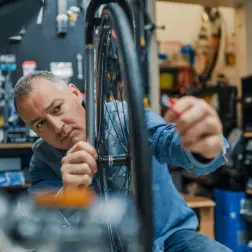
(122, 136)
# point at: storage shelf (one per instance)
(16, 186)
(249, 191)
(16, 145)
(247, 134)
(15, 149)
(210, 3)
(198, 202)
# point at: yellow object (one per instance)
(142, 41)
(166, 81)
(146, 103)
(1, 121)
(73, 17)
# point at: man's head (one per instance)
(52, 108)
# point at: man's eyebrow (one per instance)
(55, 101)
(52, 104)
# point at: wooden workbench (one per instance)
(206, 213)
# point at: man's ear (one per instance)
(76, 91)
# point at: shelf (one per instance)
(15, 149)
(249, 191)
(210, 3)
(16, 187)
(16, 145)
(198, 202)
(247, 135)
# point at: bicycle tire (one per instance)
(138, 137)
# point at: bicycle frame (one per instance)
(141, 20)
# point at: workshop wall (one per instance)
(41, 44)
(182, 21)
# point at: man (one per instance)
(54, 110)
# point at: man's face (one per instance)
(57, 116)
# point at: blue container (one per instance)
(230, 225)
(231, 231)
(227, 201)
(248, 249)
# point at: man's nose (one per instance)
(56, 124)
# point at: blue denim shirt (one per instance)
(169, 209)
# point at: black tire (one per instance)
(114, 18)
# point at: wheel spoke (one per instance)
(116, 173)
(123, 130)
(125, 149)
(114, 127)
(125, 125)
(116, 70)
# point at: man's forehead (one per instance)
(41, 83)
(36, 101)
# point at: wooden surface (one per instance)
(210, 3)
(15, 145)
(206, 213)
(249, 191)
(247, 134)
(198, 202)
(16, 186)
(207, 222)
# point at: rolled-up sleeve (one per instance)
(165, 145)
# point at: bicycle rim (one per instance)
(122, 137)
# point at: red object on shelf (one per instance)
(185, 78)
(29, 67)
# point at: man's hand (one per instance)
(79, 165)
(199, 126)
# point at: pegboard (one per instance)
(41, 44)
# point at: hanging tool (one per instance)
(41, 12)
(79, 66)
(62, 18)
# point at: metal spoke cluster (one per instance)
(113, 130)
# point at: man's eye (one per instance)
(40, 124)
(57, 108)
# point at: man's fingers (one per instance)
(208, 126)
(209, 146)
(81, 156)
(75, 169)
(184, 103)
(84, 146)
(181, 105)
(77, 180)
(189, 119)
